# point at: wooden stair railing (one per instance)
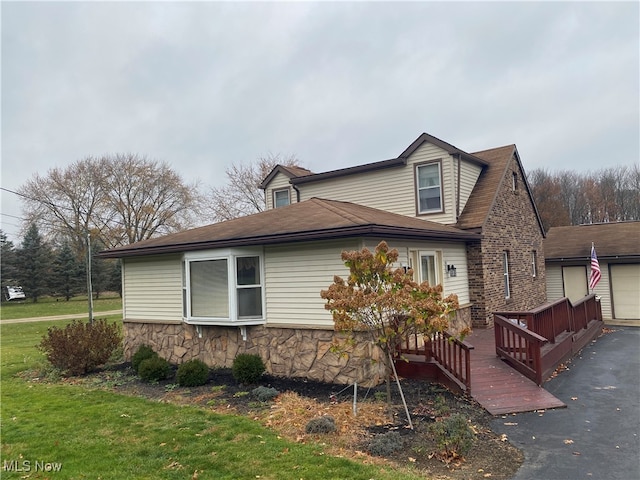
(519, 347)
(535, 342)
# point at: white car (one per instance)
(13, 293)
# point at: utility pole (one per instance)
(89, 286)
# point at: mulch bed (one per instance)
(491, 456)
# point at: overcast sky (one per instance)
(204, 85)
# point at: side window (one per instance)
(505, 269)
(534, 263)
(429, 188)
(248, 287)
(281, 198)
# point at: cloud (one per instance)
(203, 85)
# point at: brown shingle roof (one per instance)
(291, 171)
(314, 219)
(482, 197)
(611, 240)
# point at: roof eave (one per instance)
(294, 237)
(369, 167)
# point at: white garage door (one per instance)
(625, 284)
(574, 280)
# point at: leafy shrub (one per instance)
(453, 436)
(247, 368)
(81, 347)
(323, 424)
(143, 352)
(192, 373)
(386, 444)
(264, 394)
(154, 369)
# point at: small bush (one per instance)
(143, 352)
(323, 424)
(192, 373)
(247, 368)
(386, 444)
(264, 394)
(453, 436)
(81, 347)
(154, 369)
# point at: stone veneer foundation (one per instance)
(286, 352)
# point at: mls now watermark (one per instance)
(29, 466)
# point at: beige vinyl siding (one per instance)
(294, 277)
(603, 290)
(278, 182)
(469, 173)
(391, 189)
(152, 288)
(556, 278)
(452, 254)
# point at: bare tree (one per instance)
(242, 195)
(118, 199)
(145, 198)
(567, 198)
(65, 203)
(547, 193)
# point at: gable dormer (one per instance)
(430, 179)
(277, 186)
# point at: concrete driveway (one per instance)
(598, 435)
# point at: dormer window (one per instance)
(281, 198)
(429, 188)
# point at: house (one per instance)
(252, 285)
(617, 245)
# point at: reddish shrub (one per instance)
(81, 347)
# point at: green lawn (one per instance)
(92, 433)
(48, 306)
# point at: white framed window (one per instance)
(281, 198)
(505, 269)
(224, 287)
(429, 188)
(428, 267)
(534, 263)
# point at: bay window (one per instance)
(224, 287)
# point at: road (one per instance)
(79, 316)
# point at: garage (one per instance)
(625, 289)
(567, 251)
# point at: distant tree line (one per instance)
(42, 269)
(611, 194)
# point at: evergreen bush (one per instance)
(386, 444)
(453, 436)
(247, 368)
(154, 369)
(264, 394)
(323, 424)
(192, 373)
(143, 352)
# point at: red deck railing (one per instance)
(535, 342)
(453, 355)
(449, 353)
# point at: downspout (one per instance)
(458, 190)
(297, 192)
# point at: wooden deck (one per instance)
(499, 388)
